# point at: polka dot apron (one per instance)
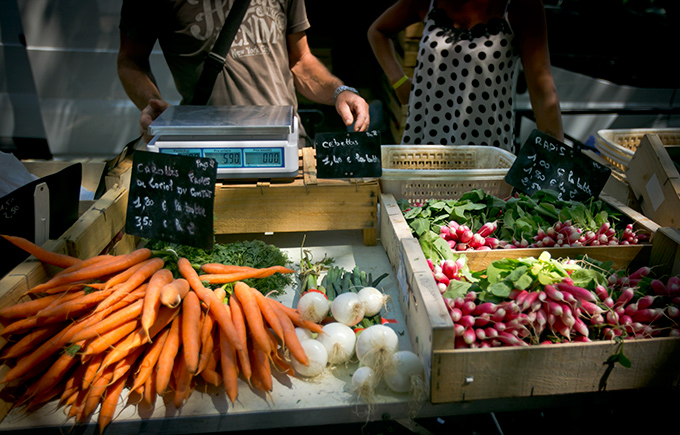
(463, 85)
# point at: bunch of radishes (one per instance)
(564, 311)
(565, 234)
(447, 271)
(461, 238)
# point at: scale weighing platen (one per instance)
(245, 141)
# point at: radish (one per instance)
(625, 297)
(578, 292)
(313, 306)
(553, 293)
(487, 229)
(347, 308)
(318, 358)
(339, 341)
(450, 268)
(375, 347)
(373, 300)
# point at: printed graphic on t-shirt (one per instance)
(263, 25)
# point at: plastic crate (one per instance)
(619, 146)
(421, 172)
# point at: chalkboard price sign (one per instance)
(348, 155)
(171, 198)
(546, 163)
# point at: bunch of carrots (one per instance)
(110, 322)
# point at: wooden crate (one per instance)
(655, 180)
(303, 204)
(474, 374)
(621, 256)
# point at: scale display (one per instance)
(236, 157)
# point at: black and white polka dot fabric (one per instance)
(463, 85)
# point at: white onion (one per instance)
(313, 306)
(376, 345)
(339, 340)
(364, 382)
(372, 299)
(318, 358)
(347, 308)
(303, 334)
(406, 374)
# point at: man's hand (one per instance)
(353, 109)
(149, 113)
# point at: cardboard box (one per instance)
(655, 180)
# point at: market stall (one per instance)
(457, 379)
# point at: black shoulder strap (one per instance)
(215, 60)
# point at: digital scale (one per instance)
(245, 141)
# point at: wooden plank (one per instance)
(393, 229)
(95, 229)
(294, 206)
(620, 256)
(475, 374)
(309, 165)
(665, 253)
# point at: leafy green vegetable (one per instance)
(255, 253)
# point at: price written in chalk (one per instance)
(171, 198)
(545, 163)
(348, 155)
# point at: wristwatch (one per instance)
(342, 89)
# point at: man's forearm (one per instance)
(139, 85)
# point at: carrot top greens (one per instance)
(253, 253)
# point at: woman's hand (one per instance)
(404, 91)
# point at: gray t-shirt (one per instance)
(257, 70)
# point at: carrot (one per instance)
(42, 254)
(219, 268)
(138, 338)
(30, 341)
(25, 325)
(240, 325)
(150, 359)
(217, 309)
(41, 354)
(113, 320)
(149, 394)
(292, 342)
(124, 275)
(297, 319)
(110, 402)
(262, 375)
(152, 301)
(90, 372)
(229, 367)
(56, 371)
(29, 308)
(85, 263)
(71, 286)
(211, 376)
(97, 270)
(171, 294)
(94, 395)
(207, 342)
(253, 315)
(166, 358)
(123, 367)
(224, 278)
(191, 330)
(184, 377)
(145, 272)
(73, 307)
(268, 313)
(109, 339)
(72, 384)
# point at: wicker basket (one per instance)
(421, 172)
(619, 146)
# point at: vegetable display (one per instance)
(110, 322)
(479, 221)
(526, 301)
